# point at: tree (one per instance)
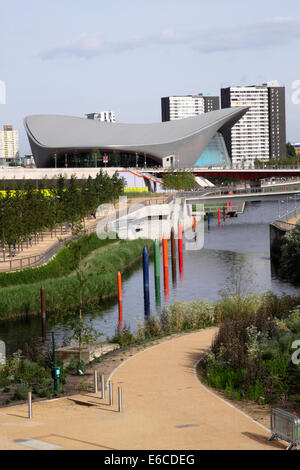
(290, 150)
(181, 179)
(290, 256)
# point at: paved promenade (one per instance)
(165, 407)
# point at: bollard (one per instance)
(219, 217)
(29, 405)
(208, 220)
(195, 224)
(146, 283)
(120, 301)
(173, 255)
(43, 312)
(180, 257)
(157, 272)
(110, 391)
(119, 399)
(95, 381)
(102, 387)
(166, 266)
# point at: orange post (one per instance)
(165, 260)
(120, 301)
(195, 224)
(219, 217)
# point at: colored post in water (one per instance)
(195, 224)
(208, 220)
(146, 282)
(180, 249)
(166, 267)
(219, 217)
(157, 272)
(173, 255)
(43, 312)
(120, 302)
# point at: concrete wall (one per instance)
(276, 236)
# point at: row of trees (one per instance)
(27, 210)
(291, 158)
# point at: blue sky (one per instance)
(75, 57)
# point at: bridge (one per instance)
(245, 196)
(233, 173)
(254, 176)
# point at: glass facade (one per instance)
(215, 153)
(102, 159)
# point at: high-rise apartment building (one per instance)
(261, 133)
(9, 144)
(277, 122)
(103, 116)
(180, 107)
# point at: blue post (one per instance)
(208, 220)
(146, 282)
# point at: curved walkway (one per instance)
(165, 407)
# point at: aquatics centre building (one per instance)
(66, 141)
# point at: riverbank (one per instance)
(100, 271)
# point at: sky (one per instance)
(75, 57)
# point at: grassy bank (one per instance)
(65, 261)
(100, 274)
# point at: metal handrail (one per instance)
(17, 264)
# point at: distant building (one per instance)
(103, 116)
(297, 148)
(9, 145)
(180, 107)
(261, 133)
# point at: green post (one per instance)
(157, 272)
(54, 364)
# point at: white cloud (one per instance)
(271, 32)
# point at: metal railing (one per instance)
(285, 426)
(283, 222)
(17, 264)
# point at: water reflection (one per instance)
(235, 258)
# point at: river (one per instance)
(237, 254)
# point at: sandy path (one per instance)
(165, 407)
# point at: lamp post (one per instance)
(66, 160)
(136, 160)
(55, 160)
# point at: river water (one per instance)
(235, 256)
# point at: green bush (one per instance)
(251, 354)
(21, 392)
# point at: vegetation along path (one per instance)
(164, 407)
